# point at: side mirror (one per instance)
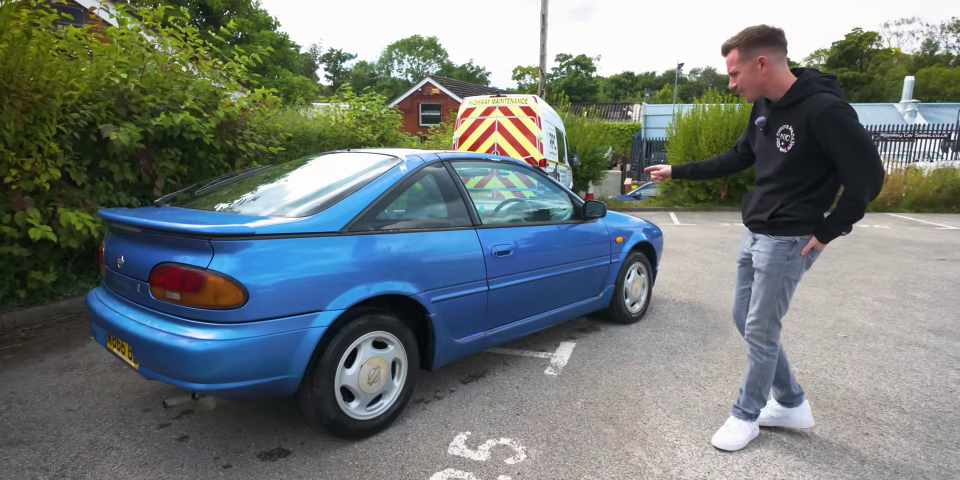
(594, 209)
(575, 161)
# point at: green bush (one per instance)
(912, 190)
(709, 128)
(345, 120)
(440, 137)
(588, 136)
(102, 116)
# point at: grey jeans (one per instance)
(768, 271)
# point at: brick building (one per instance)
(435, 100)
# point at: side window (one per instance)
(505, 193)
(562, 147)
(428, 200)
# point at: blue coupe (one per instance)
(639, 194)
(339, 276)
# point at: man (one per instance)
(806, 142)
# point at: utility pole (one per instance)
(676, 77)
(543, 47)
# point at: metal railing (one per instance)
(902, 145)
(898, 145)
(646, 152)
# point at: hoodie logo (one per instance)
(785, 138)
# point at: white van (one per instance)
(524, 127)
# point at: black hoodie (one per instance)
(805, 146)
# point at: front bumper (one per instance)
(239, 360)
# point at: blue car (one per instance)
(639, 194)
(339, 276)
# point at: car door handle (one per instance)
(502, 250)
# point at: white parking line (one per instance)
(942, 227)
(558, 359)
(459, 448)
(521, 353)
(676, 221)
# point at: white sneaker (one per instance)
(735, 434)
(776, 415)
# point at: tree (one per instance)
(857, 52)
(866, 70)
(574, 76)
(817, 59)
(628, 86)
(282, 66)
(467, 72)
(664, 95)
(334, 66)
(527, 78)
(938, 84)
(362, 76)
(413, 58)
(699, 81)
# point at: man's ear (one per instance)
(763, 62)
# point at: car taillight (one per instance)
(543, 163)
(103, 265)
(195, 287)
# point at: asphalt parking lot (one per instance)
(873, 334)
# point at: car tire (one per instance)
(325, 397)
(633, 290)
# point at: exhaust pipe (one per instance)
(205, 401)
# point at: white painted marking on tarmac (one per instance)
(459, 448)
(521, 353)
(942, 227)
(560, 358)
(453, 474)
(676, 221)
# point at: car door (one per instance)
(540, 255)
(421, 234)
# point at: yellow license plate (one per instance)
(122, 349)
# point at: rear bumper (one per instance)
(246, 360)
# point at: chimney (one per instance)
(908, 106)
(907, 89)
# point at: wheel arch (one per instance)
(409, 310)
(645, 247)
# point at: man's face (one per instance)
(747, 75)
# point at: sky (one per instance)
(628, 35)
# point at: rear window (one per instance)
(298, 188)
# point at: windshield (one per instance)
(298, 188)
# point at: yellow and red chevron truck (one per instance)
(517, 126)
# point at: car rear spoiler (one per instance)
(200, 225)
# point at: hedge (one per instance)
(101, 116)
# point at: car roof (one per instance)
(423, 154)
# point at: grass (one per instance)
(912, 191)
